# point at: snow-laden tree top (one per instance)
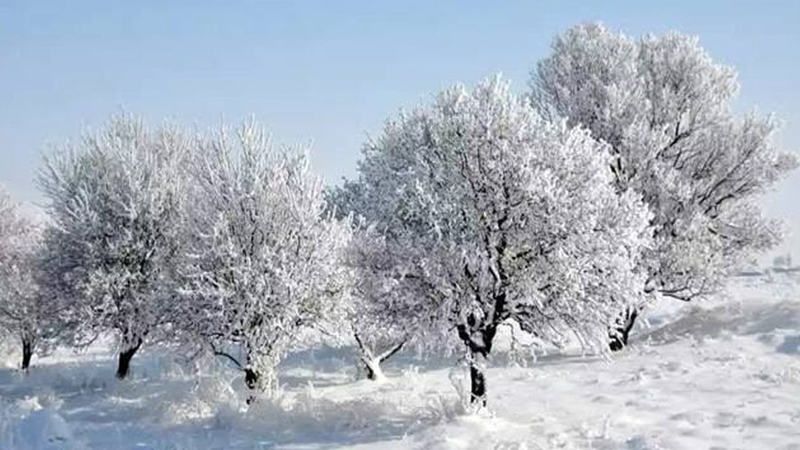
(19, 243)
(492, 214)
(15, 228)
(114, 199)
(665, 108)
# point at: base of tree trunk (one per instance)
(618, 334)
(27, 354)
(372, 361)
(617, 342)
(373, 370)
(477, 381)
(251, 378)
(124, 366)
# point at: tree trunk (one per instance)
(251, 379)
(373, 369)
(27, 353)
(479, 345)
(125, 360)
(372, 363)
(477, 382)
(618, 333)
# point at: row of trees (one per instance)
(620, 178)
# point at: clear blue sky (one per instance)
(330, 72)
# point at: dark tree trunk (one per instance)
(251, 378)
(27, 353)
(479, 345)
(477, 384)
(125, 360)
(617, 342)
(618, 333)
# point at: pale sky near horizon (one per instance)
(329, 73)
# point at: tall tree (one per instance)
(264, 256)
(115, 202)
(665, 109)
(492, 215)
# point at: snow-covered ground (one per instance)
(721, 374)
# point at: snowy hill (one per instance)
(719, 374)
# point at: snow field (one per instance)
(720, 374)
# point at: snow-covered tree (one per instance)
(115, 202)
(377, 328)
(491, 215)
(665, 109)
(24, 311)
(264, 259)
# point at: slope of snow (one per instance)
(720, 374)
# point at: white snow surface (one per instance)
(720, 374)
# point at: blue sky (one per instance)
(329, 72)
